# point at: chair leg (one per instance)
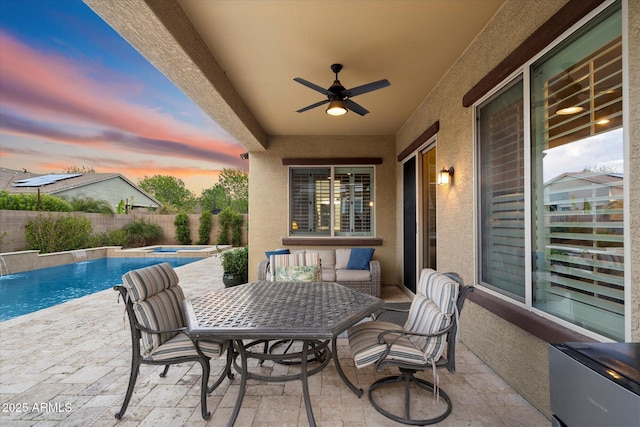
(225, 373)
(406, 376)
(135, 369)
(203, 390)
(164, 372)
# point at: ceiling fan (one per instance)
(338, 97)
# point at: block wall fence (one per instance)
(12, 225)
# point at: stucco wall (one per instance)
(517, 356)
(268, 187)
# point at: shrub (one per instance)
(224, 222)
(205, 228)
(63, 233)
(29, 202)
(236, 261)
(119, 237)
(182, 228)
(236, 230)
(228, 219)
(143, 233)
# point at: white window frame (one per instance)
(332, 233)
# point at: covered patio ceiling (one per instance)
(238, 59)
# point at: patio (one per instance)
(69, 365)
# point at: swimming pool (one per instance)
(30, 291)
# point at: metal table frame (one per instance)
(314, 313)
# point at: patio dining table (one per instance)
(314, 313)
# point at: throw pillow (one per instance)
(296, 273)
(359, 258)
(276, 252)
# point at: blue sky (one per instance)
(74, 93)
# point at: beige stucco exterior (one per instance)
(519, 357)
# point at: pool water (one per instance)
(30, 291)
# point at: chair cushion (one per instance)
(181, 346)
(296, 273)
(425, 317)
(160, 312)
(147, 281)
(439, 288)
(364, 345)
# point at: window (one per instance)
(331, 201)
(578, 178)
(501, 180)
(576, 173)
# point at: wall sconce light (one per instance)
(445, 175)
(244, 156)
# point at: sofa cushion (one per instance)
(328, 275)
(353, 275)
(342, 258)
(297, 273)
(327, 257)
(359, 258)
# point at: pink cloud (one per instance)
(55, 89)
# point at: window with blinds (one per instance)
(310, 205)
(331, 201)
(578, 179)
(501, 178)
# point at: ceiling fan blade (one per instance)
(317, 104)
(312, 86)
(369, 87)
(356, 108)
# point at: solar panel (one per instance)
(38, 181)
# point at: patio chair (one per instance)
(425, 342)
(154, 307)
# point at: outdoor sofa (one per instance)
(351, 267)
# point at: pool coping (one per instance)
(18, 262)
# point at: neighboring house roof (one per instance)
(16, 182)
(598, 178)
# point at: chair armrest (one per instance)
(402, 333)
(153, 331)
(374, 269)
(263, 267)
(385, 309)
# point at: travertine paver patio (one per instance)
(69, 365)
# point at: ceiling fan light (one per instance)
(337, 108)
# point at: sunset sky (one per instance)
(74, 93)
